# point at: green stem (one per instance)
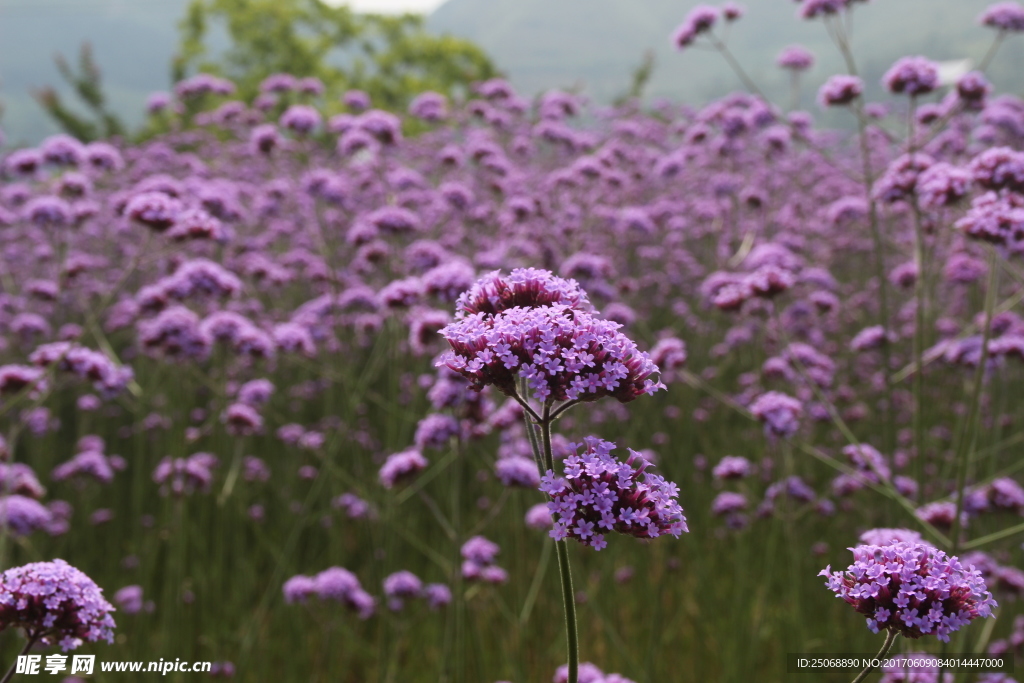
(562, 549)
(970, 436)
(24, 651)
(890, 638)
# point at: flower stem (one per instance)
(969, 438)
(564, 571)
(24, 651)
(890, 638)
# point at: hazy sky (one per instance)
(389, 6)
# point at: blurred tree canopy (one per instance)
(392, 58)
(86, 84)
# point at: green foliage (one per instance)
(391, 58)
(87, 85)
(639, 79)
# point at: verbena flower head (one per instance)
(778, 412)
(701, 19)
(562, 353)
(401, 467)
(478, 561)
(523, 287)
(732, 467)
(1005, 16)
(912, 76)
(840, 90)
(598, 493)
(890, 536)
(56, 604)
(795, 58)
(911, 588)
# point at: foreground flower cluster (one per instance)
(912, 588)
(598, 494)
(54, 603)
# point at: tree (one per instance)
(392, 58)
(87, 84)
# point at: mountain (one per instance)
(132, 40)
(590, 44)
(598, 43)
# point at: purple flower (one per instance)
(890, 537)
(539, 517)
(840, 90)
(301, 119)
(999, 168)
(912, 75)
(562, 354)
(48, 211)
(129, 599)
(22, 515)
(943, 184)
(401, 585)
(728, 502)
(598, 494)
(54, 603)
(429, 106)
(256, 392)
(265, 138)
(1005, 16)
(811, 9)
(242, 419)
(909, 579)
(795, 58)
(995, 218)
(479, 555)
(523, 287)
(732, 467)
(437, 595)
(181, 476)
(701, 19)
(778, 412)
(401, 467)
(517, 470)
(298, 589)
(155, 210)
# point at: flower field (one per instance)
(320, 392)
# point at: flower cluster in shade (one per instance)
(911, 588)
(334, 583)
(55, 603)
(597, 494)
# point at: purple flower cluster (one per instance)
(1005, 16)
(54, 603)
(334, 583)
(911, 588)
(183, 476)
(400, 467)
(405, 585)
(562, 353)
(701, 19)
(108, 378)
(778, 412)
(478, 561)
(840, 90)
(599, 494)
(912, 76)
